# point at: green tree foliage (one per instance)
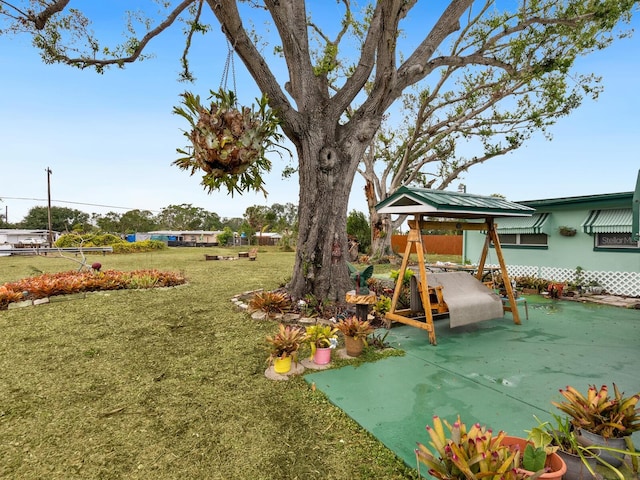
(62, 219)
(256, 218)
(138, 221)
(233, 223)
(285, 218)
(109, 222)
(187, 217)
(226, 237)
(358, 226)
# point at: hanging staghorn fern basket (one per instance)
(228, 143)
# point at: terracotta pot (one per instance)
(282, 365)
(554, 461)
(354, 346)
(586, 439)
(322, 356)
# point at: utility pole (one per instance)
(49, 206)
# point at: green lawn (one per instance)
(165, 383)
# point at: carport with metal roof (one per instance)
(443, 210)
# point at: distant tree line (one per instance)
(276, 218)
(280, 218)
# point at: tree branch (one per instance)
(39, 20)
(84, 62)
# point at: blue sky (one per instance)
(110, 139)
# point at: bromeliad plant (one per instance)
(285, 343)
(229, 144)
(469, 454)
(355, 328)
(321, 336)
(65, 283)
(598, 413)
(270, 302)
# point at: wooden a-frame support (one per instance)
(415, 238)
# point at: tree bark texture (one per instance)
(322, 251)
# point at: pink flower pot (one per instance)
(322, 356)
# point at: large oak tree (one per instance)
(330, 118)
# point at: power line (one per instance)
(76, 203)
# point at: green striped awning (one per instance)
(616, 220)
(532, 224)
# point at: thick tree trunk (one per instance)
(381, 224)
(322, 251)
(381, 231)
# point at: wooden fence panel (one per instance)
(439, 244)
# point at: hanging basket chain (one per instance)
(225, 75)
(229, 143)
(229, 64)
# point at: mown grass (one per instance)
(165, 383)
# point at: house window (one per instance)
(523, 239)
(616, 240)
(533, 239)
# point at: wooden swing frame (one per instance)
(414, 239)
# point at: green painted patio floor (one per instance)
(494, 372)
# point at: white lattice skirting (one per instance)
(614, 283)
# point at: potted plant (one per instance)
(469, 454)
(567, 231)
(580, 461)
(322, 339)
(594, 287)
(555, 289)
(355, 333)
(601, 420)
(529, 284)
(284, 346)
(538, 454)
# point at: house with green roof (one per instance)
(599, 233)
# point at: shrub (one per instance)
(87, 240)
(8, 295)
(270, 302)
(139, 247)
(225, 237)
(382, 306)
(61, 283)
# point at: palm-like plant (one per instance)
(286, 342)
(321, 336)
(355, 328)
(468, 454)
(270, 302)
(598, 413)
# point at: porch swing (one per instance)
(460, 295)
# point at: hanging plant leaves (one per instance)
(227, 142)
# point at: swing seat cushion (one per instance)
(468, 299)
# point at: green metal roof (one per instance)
(594, 202)
(617, 220)
(441, 203)
(532, 224)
